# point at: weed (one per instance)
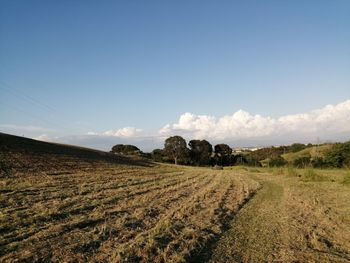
(346, 179)
(311, 176)
(291, 171)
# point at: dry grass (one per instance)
(61, 204)
(295, 217)
(116, 213)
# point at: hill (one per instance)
(312, 152)
(62, 203)
(20, 156)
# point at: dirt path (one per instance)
(282, 223)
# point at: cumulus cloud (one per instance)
(43, 137)
(123, 132)
(331, 122)
(331, 119)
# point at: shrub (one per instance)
(296, 147)
(339, 155)
(277, 162)
(318, 162)
(126, 149)
(311, 176)
(302, 162)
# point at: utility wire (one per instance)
(33, 116)
(25, 97)
(22, 95)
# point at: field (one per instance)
(298, 215)
(62, 204)
(313, 152)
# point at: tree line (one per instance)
(196, 152)
(202, 153)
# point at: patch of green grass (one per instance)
(311, 176)
(346, 179)
(254, 170)
(291, 171)
(315, 151)
(277, 171)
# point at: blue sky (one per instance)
(73, 67)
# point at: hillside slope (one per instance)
(314, 151)
(63, 203)
(20, 156)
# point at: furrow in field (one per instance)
(157, 193)
(75, 208)
(170, 225)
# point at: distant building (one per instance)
(246, 149)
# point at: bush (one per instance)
(302, 162)
(277, 162)
(318, 162)
(339, 155)
(296, 147)
(126, 149)
(311, 176)
(158, 155)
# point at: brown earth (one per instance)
(60, 203)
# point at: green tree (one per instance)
(158, 155)
(339, 155)
(223, 152)
(200, 152)
(296, 147)
(277, 161)
(175, 148)
(126, 149)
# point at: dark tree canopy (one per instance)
(158, 155)
(296, 147)
(125, 149)
(175, 148)
(276, 161)
(223, 149)
(200, 151)
(223, 154)
(339, 155)
(302, 162)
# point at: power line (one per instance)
(25, 97)
(28, 114)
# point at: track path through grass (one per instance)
(255, 233)
(284, 222)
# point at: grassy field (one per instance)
(111, 212)
(78, 205)
(299, 215)
(313, 152)
(116, 213)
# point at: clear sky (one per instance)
(72, 67)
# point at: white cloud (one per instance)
(331, 122)
(43, 137)
(331, 119)
(123, 132)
